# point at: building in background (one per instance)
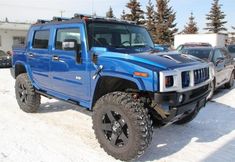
(12, 33)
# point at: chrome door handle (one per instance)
(56, 58)
(31, 55)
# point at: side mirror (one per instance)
(219, 60)
(72, 45)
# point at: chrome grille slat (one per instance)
(201, 75)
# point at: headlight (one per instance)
(169, 81)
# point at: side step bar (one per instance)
(43, 93)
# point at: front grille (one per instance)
(201, 75)
(199, 91)
(185, 77)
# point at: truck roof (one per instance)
(80, 19)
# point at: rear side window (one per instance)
(41, 39)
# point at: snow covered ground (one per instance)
(61, 132)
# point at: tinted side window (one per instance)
(41, 39)
(67, 34)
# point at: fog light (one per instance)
(181, 98)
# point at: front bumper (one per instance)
(194, 99)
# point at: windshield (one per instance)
(200, 53)
(119, 36)
(2, 53)
(231, 49)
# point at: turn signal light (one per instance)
(169, 81)
(141, 74)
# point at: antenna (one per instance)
(61, 13)
(92, 7)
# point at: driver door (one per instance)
(218, 60)
(69, 69)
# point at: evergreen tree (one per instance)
(165, 26)
(110, 14)
(150, 15)
(136, 13)
(216, 18)
(191, 27)
(6, 19)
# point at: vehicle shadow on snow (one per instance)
(213, 122)
(58, 106)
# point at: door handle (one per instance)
(56, 58)
(31, 55)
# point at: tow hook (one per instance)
(160, 111)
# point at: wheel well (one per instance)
(111, 84)
(19, 69)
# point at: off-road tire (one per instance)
(31, 102)
(231, 81)
(187, 118)
(137, 120)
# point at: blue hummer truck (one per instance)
(110, 67)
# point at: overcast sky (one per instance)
(31, 10)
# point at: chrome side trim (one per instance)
(176, 73)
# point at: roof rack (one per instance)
(81, 17)
(40, 21)
(60, 19)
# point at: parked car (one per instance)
(186, 45)
(5, 60)
(110, 67)
(222, 63)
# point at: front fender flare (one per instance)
(28, 71)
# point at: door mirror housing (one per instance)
(219, 60)
(72, 45)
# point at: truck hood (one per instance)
(164, 61)
(169, 60)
